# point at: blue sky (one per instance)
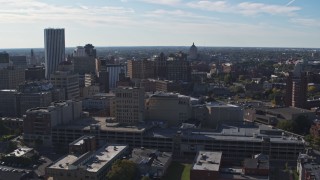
(244, 23)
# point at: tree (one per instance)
(122, 169)
(286, 125)
(311, 89)
(302, 125)
(227, 79)
(145, 178)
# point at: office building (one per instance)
(4, 60)
(100, 102)
(114, 70)
(90, 165)
(179, 70)
(128, 105)
(11, 77)
(54, 49)
(8, 104)
(36, 94)
(223, 113)
(142, 69)
(84, 64)
(67, 80)
(35, 73)
(19, 61)
(39, 121)
(161, 66)
(103, 79)
(87, 51)
(169, 107)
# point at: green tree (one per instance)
(302, 125)
(11, 146)
(122, 169)
(312, 89)
(145, 178)
(286, 125)
(227, 79)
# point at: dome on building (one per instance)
(193, 52)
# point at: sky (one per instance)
(235, 23)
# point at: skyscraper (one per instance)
(54, 44)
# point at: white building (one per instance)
(54, 49)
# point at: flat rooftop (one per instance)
(90, 161)
(252, 133)
(207, 160)
(100, 122)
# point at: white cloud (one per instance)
(219, 6)
(16, 11)
(248, 8)
(306, 22)
(244, 8)
(163, 2)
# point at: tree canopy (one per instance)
(122, 169)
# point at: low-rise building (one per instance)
(272, 116)
(258, 165)
(151, 161)
(308, 166)
(206, 165)
(90, 165)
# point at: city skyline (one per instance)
(237, 23)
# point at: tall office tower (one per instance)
(128, 105)
(143, 69)
(54, 44)
(114, 70)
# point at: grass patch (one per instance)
(178, 171)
